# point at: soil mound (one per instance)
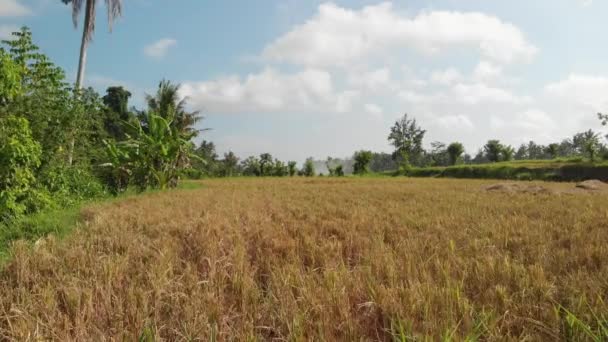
(518, 188)
(592, 185)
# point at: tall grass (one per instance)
(389, 259)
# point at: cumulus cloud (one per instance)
(446, 77)
(337, 36)
(160, 48)
(582, 90)
(373, 110)
(12, 8)
(270, 91)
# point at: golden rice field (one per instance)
(319, 259)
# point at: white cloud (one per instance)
(581, 90)
(372, 80)
(476, 93)
(446, 77)
(270, 91)
(6, 30)
(487, 72)
(338, 36)
(374, 110)
(160, 48)
(585, 2)
(12, 8)
(455, 122)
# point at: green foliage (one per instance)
(339, 171)
(406, 137)
(455, 151)
(308, 169)
(230, 164)
(362, 161)
(156, 154)
(117, 102)
(251, 166)
(70, 185)
(493, 149)
(10, 86)
(291, 167)
(19, 157)
(280, 169)
(567, 170)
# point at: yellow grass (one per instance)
(317, 259)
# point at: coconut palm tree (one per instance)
(114, 8)
(167, 103)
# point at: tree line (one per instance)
(60, 144)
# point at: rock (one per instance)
(592, 185)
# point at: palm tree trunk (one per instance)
(82, 61)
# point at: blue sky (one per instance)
(301, 78)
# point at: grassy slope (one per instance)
(323, 259)
(558, 169)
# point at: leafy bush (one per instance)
(70, 185)
(19, 158)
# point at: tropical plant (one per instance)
(506, 153)
(114, 9)
(168, 104)
(493, 150)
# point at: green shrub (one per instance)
(69, 185)
(19, 158)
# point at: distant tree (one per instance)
(383, 162)
(455, 151)
(251, 166)
(587, 144)
(438, 155)
(309, 168)
(603, 118)
(507, 153)
(265, 164)
(406, 137)
(362, 160)
(339, 171)
(291, 167)
(230, 164)
(553, 150)
(522, 152)
(280, 169)
(117, 113)
(480, 157)
(330, 166)
(536, 151)
(493, 150)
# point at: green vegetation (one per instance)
(61, 146)
(550, 170)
